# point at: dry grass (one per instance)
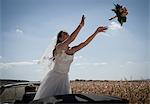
(137, 92)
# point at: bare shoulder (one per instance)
(70, 51)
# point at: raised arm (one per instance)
(75, 33)
(87, 41)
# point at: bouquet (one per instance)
(121, 13)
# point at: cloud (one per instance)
(20, 63)
(114, 26)
(81, 61)
(19, 31)
(3, 66)
(121, 66)
(100, 63)
(130, 62)
(82, 64)
(0, 57)
(91, 64)
(35, 61)
(13, 64)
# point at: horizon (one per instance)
(75, 80)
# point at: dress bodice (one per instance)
(63, 62)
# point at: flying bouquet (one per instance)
(121, 13)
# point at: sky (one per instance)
(28, 26)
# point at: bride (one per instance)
(56, 82)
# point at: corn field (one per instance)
(137, 92)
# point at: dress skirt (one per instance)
(55, 83)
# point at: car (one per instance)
(12, 91)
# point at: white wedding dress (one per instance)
(56, 82)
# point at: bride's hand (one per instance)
(101, 29)
(82, 21)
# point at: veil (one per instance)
(47, 58)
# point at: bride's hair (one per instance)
(58, 41)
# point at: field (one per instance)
(137, 92)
